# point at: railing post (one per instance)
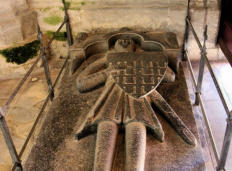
(201, 67)
(68, 27)
(226, 144)
(45, 65)
(186, 33)
(9, 142)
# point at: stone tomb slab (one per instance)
(57, 149)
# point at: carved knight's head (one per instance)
(124, 45)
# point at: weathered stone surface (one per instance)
(10, 32)
(17, 24)
(53, 149)
(115, 18)
(172, 154)
(29, 24)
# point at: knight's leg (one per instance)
(105, 145)
(173, 118)
(135, 146)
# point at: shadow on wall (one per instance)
(225, 32)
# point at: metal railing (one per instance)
(15, 156)
(220, 159)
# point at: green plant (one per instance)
(83, 3)
(75, 8)
(75, 5)
(79, 3)
(67, 5)
(45, 9)
(21, 54)
(61, 36)
(53, 20)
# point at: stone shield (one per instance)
(138, 73)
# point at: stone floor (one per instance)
(25, 107)
(214, 108)
(22, 112)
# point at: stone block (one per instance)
(10, 32)
(150, 15)
(90, 19)
(29, 24)
(20, 5)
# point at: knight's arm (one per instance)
(77, 57)
(92, 76)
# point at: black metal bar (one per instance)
(9, 142)
(228, 133)
(210, 71)
(45, 65)
(57, 78)
(41, 111)
(201, 67)
(15, 157)
(68, 30)
(226, 144)
(215, 150)
(57, 31)
(203, 51)
(33, 127)
(40, 114)
(12, 96)
(194, 34)
(31, 131)
(217, 86)
(186, 33)
(68, 27)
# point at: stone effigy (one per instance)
(130, 66)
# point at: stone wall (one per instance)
(18, 17)
(156, 15)
(17, 23)
(198, 14)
